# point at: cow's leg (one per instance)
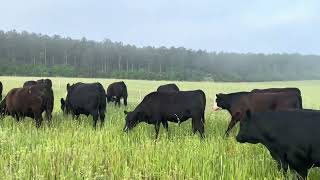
(95, 116)
(17, 117)
(118, 101)
(165, 125)
(49, 117)
(302, 173)
(297, 161)
(75, 116)
(157, 126)
(125, 101)
(102, 117)
(38, 118)
(197, 125)
(232, 123)
(282, 162)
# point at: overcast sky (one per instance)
(268, 26)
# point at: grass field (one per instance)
(71, 149)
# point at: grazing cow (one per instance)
(168, 88)
(1, 89)
(237, 103)
(291, 136)
(26, 102)
(161, 107)
(116, 91)
(87, 99)
(47, 82)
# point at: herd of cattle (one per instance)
(273, 117)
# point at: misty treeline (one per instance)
(30, 54)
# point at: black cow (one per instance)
(27, 102)
(1, 89)
(87, 99)
(116, 91)
(47, 82)
(237, 103)
(291, 136)
(168, 88)
(160, 107)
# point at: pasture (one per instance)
(71, 149)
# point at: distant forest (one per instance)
(31, 54)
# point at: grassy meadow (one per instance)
(71, 149)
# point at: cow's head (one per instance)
(222, 101)
(132, 119)
(64, 107)
(248, 133)
(110, 98)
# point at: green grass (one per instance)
(71, 149)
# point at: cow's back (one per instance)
(168, 88)
(82, 94)
(168, 101)
(275, 101)
(277, 90)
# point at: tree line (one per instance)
(31, 54)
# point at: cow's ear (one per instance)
(125, 112)
(68, 87)
(62, 101)
(248, 114)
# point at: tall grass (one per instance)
(71, 149)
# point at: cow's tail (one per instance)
(204, 106)
(102, 102)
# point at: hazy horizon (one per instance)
(227, 26)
